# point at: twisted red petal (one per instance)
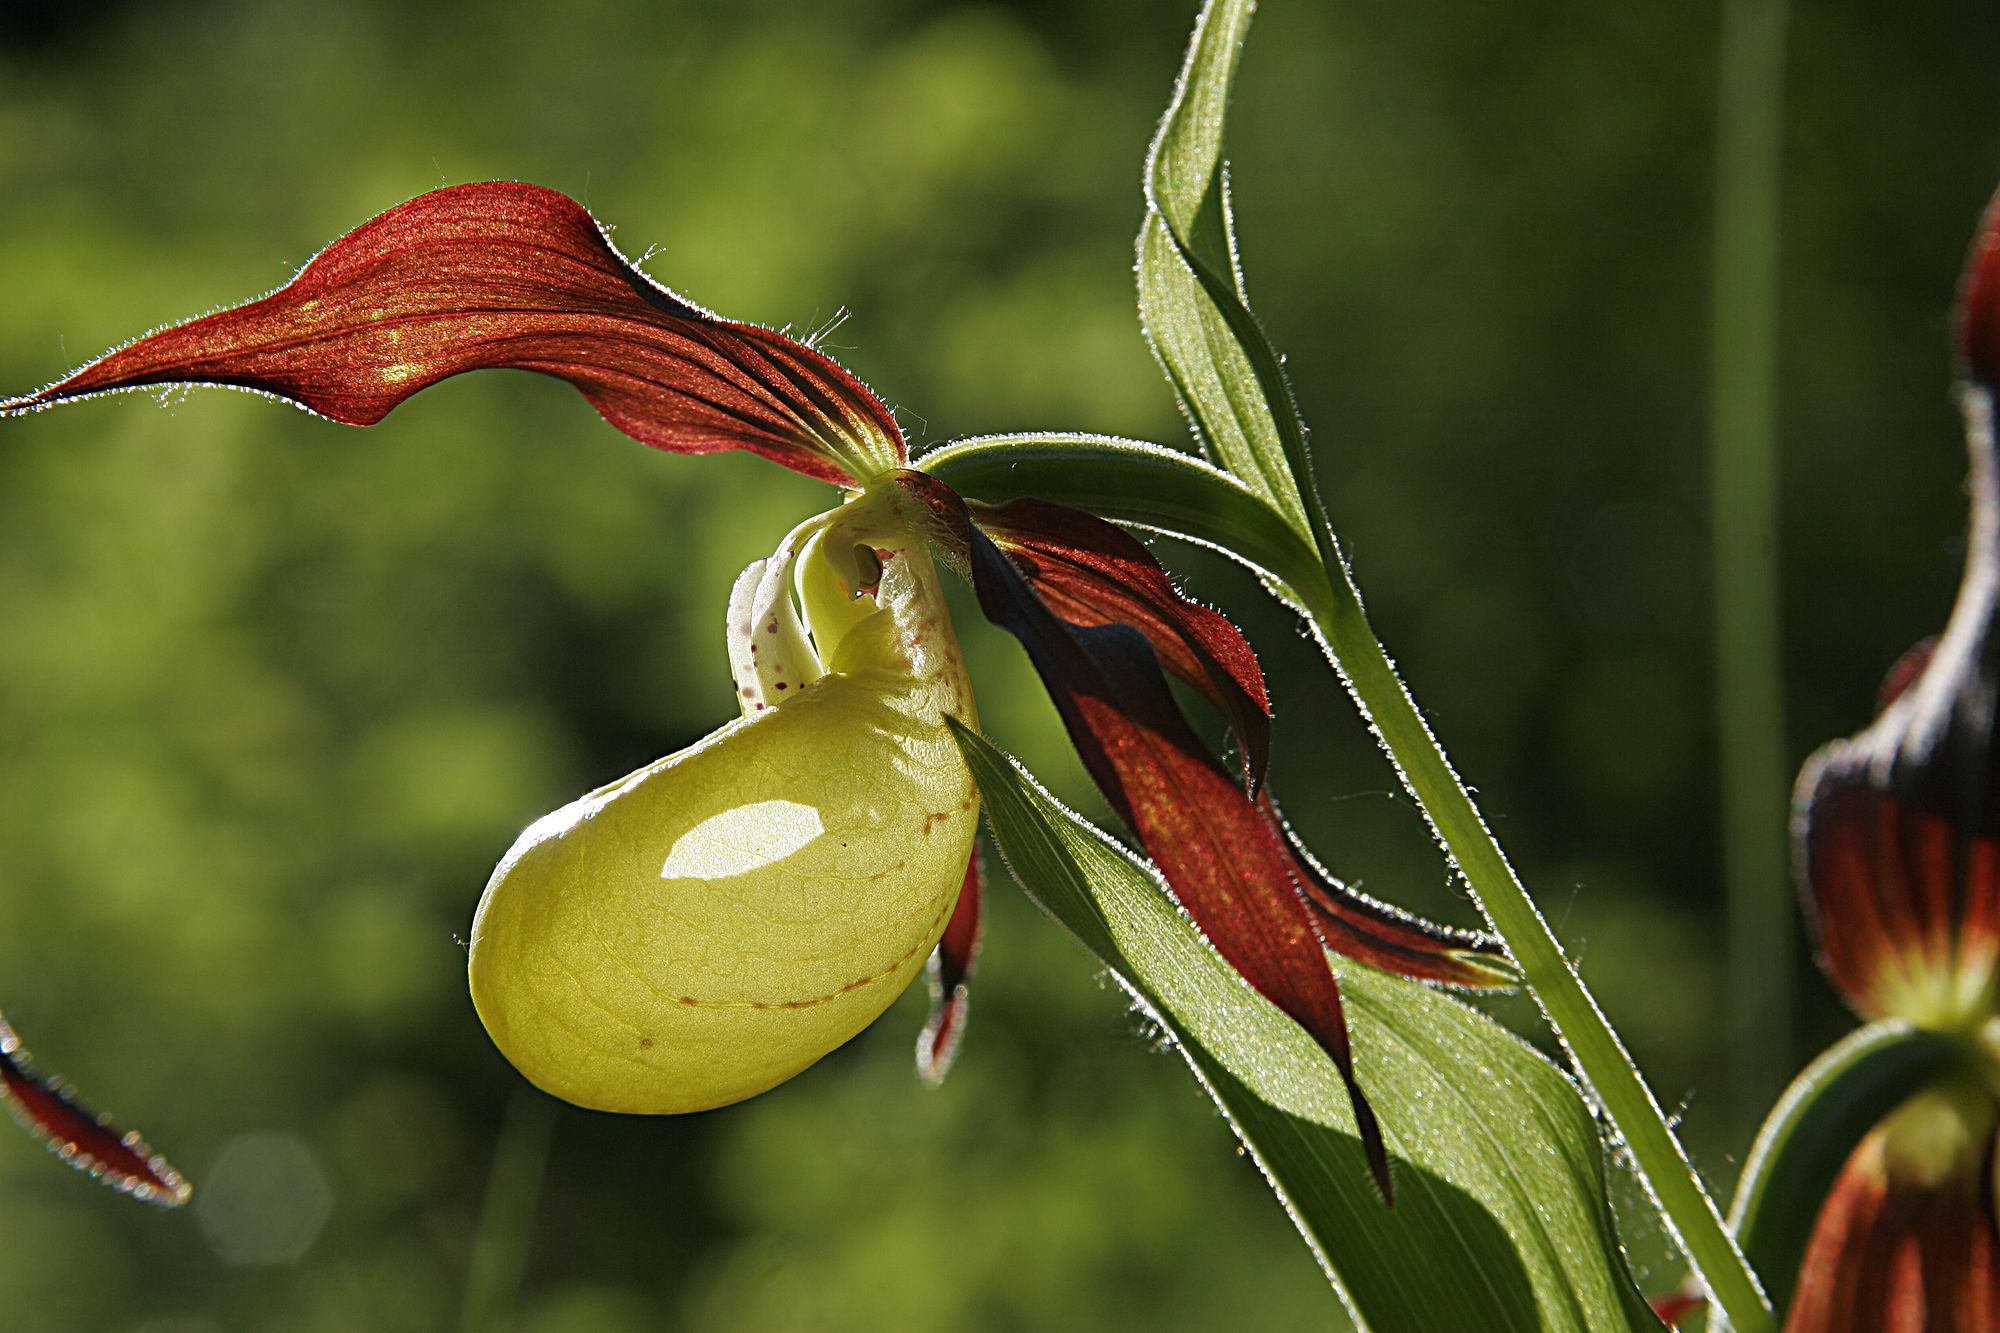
(1385, 936)
(951, 966)
(1091, 572)
(87, 1141)
(1228, 866)
(502, 274)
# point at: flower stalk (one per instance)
(1341, 623)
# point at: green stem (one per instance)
(1337, 614)
(1743, 498)
(1816, 1125)
(507, 1219)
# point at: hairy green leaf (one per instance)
(1228, 377)
(1501, 1220)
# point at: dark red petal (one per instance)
(1228, 866)
(1896, 1256)
(1897, 830)
(952, 964)
(87, 1141)
(1979, 303)
(1387, 937)
(1039, 539)
(1904, 902)
(1090, 572)
(502, 274)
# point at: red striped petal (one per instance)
(1091, 572)
(1894, 1253)
(1904, 902)
(951, 966)
(502, 274)
(87, 1141)
(1385, 936)
(1228, 866)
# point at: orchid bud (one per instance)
(714, 923)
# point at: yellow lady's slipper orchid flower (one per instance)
(710, 925)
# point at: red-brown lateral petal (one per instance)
(503, 274)
(1091, 572)
(1890, 1256)
(1387, 937)
(951, 966)
(1228, 866)
(79, 1136)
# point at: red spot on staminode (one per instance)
(771, 628)
(781, 684)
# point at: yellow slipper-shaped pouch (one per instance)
(712, 924)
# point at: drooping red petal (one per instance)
(1387, 937)
(87, 1141)
(1891, 1255)
(1229, 867)
(503, 274)
(1091, 572)
(951, 966)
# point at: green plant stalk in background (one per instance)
(1826, 1111)
(1743, 468)
(1594, 1047)
(507, 1219)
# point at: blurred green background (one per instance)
(274, 694)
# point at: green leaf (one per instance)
(1133, 482)
(1815, 1125)
(1229, 379)
(1501, 1219)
